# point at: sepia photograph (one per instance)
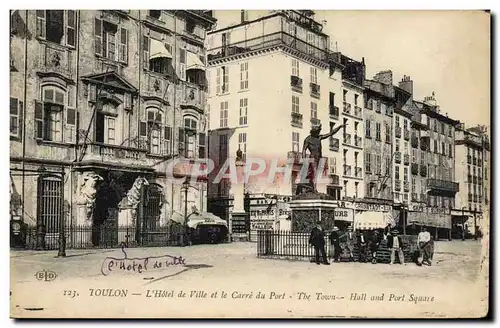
(249, 164)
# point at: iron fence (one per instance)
(87, 237)
(295, 246)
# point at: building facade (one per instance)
(100, 101)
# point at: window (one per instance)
(202, 145)
(225, 79)
(167, 140)
(413, 185)
(332, 100)
(405, 124)
(16, 110)
(314, 75)
(406, 148)
(295, 67)
(387, 132)
(70, 124)
(405, 174)
(442, 128)
(356, 158)
(369, 104)
(368, 163)
(396, 173)
(243, 16)
(443, 148)
(190, 26)
(190, 129)
(243, 111)
(397, 121)
(356, 100)
(356, 184)
(377, 131)
(450, 150)
(485, 173)
(295, 141)
(367, 129)
(49, 203)
(242, 144)
(182, 64)
(244, 76)
(345, 188)
(48, 120)
(155, 14)
(344, 95)
(58, 26)
(295, 105)
(436, 146)
(223, 114)
(314, 110)
(378, 163)
(111, 41)
(397, 146)
(450, 131)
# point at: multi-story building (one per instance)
(264, 67)
(471, 160)
(100, 99)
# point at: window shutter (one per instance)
(182, 149)
(98, 36)
(92, 92)
(71, 28)
(218, 80)
(201, 145)
(39, 120)
(168, 133)
(21, 118)
(70, 116)
(145, 51)
(123, 50)
(41, 23)
(143, 129)
(182, 66)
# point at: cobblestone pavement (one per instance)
(234, 268)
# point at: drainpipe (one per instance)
(24, 112)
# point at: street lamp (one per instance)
(185, 189)
(62, 228)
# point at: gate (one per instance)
(49, 210)
(152, 234)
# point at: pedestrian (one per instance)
(349, 244)
(424, 245)
(395, 244)
(363, 245)
(317, 239)
(335, 244)
(374, 243)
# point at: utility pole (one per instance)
(62, 225)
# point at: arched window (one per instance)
(49, 113)
(188, 134)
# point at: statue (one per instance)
(89, 182)
(313, 144)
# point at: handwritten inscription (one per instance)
(138, 264)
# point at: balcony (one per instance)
(334, 112)
(296, 83)
(424, 144)
(414, 142)
(295, 155)
(358, 112)
(347, 170)
(297, 120)
(335, 180)
(406, 134)
(414, 168)
(423, 198)
(414, 197)
(347, 108)
(113, 153)
(397, 157)
(469, 197)
(470, 139)
(347, 139)
(334, 144)
(314, 90)
(442, 185)
(358, 141)
(397, 132)
(315, 121)
(423, 170)
(397, 185)
(358, 172)
(406, 159)
(264, 42)
(55, 59)
(406, 186)
(469, 159)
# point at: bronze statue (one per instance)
(313, 144)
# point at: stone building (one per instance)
(106, 98)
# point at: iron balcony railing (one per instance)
(334, 179)
(397, 185)
(359, 172)
(444, 185)
(334, 112)
(397, 132)
(296, 83)
(347, 170)
(414, 168)
(297, 120)
(358, 112)
(423, 170)
(414, 197)
(334, 144)
(469, 197)
(406, 186)
(347, 138)
(314, 89)
(406, 159)
(397, 157)
(414, 142)
(423, 198)
(347, 108)
(358, 141)
(406, 134)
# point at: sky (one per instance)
(447, 52)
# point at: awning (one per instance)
(430, 219)
(367, 220)
(158, 50)
(193, 62)
(194, 220)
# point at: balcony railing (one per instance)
(347, 170)
(315, 89)
(334, 144)
(469, 159)
(475, 198)
(406, 134)
(424, 144)
(414, 142)
(266, 41)
(297, 120)
(347, 108)
(406, 186)
(474, 161)
(347, 138)
(423, 198)
(423, 170)
(334, 112)
(315, 121)
(359, 172)
(406, 159)
(397, 185)
(296, 83)
(414, 168)
(442, 185)
(397, 157)
(112, 153)
(474, 179)
(358, 141)
(334, 179)
(295, 155)
(397, 132)
(414, 197)
(358, 112)
(469, 197)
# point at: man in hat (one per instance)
(374, 243)
(424, 244)
(313, 144)
(317, 239)
(335, 244)
(395, 244)
(349, 244)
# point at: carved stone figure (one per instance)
(89, 183)
(134, 194)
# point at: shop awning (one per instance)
(194, 220)
(430, 219)
(158, 50)
(367, 220)
(193, 62)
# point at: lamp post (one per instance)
(185, 188)
(62, 233)
(463, 222)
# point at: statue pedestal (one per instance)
(308, 211)
(85, 225)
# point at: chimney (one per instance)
(384, 77)
(406, 84)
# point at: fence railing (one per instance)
(87, 237)
(295, 246)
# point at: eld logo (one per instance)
(46, 275)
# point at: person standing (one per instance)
(424, 244)
(349, 244)
(317, 239)
(363, 243)
(395, 244)
(374, 243)
(335, 244)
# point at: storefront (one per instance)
(436, 219)
(370, 216)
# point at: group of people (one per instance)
(369, 241)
